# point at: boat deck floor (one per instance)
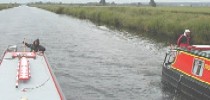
(41, 85)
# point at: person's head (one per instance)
(36, 42)
(187, 32)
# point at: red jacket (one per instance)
(183, 41)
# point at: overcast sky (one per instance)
(116, 1)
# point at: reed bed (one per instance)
(163, 24)
(6, 6)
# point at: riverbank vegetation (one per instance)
(163, 24)
(5, 6)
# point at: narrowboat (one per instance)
(27, 75)
(187, 70)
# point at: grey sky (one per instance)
(116, 1)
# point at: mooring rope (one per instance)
(38, 86)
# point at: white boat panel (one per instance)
(41, 85)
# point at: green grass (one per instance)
(6, 6)
(163, 24)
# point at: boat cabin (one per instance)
(188, 70)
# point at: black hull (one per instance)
(185, 84)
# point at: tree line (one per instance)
(151, 3)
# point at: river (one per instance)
(90, 62)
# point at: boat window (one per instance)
(198, 67)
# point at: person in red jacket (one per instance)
(184, 39)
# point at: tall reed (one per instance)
(164, 24)
(5, 6)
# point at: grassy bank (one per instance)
(161, 23)
(5, 6)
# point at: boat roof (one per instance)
(41, 86)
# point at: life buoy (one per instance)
(24, 73)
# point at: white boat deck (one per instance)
(41, 86)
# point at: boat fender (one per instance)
(180, 78)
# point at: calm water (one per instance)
(90, 62)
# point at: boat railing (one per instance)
(17, 48)
(200, 53)
(169, 57)
(12, 48)
(2, 55)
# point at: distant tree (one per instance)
(103, 2)
(113, 3)
(139, 4)
(152, 3)
(40, 2)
